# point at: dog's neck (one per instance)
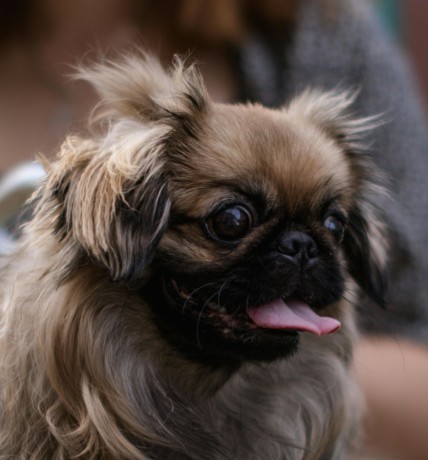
(190, 379)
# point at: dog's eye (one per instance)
(230, 224)
(335, 225)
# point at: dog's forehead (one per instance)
(255, 149)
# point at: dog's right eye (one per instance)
(230, 224)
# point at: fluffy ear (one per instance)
(330, 112)
(137, 86)
(366, 237)
(365, 244)
(112, 188)
(113, 197)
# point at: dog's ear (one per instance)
(365, 244)
(136, 86)
(112, 196)
(112, 188)
(365, 240)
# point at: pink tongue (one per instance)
(294, 314)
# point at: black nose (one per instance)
(299, 247)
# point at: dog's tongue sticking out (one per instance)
(293, 314)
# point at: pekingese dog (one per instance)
(185, 287)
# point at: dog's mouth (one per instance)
(201, 326)
(290, 315)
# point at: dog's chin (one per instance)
(202, 330)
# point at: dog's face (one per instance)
(258, 215)
(240, 226)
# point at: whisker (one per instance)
(264, 266)
(219, 292)
(194, 292)
(204, 306)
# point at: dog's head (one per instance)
(238, 225)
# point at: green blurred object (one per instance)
(390, 14)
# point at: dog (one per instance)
(185, 287)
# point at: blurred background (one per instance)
(40, 40)
(407, 21)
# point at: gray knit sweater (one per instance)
(351, 50)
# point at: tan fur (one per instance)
(84, 370)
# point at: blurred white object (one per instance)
(16, 187)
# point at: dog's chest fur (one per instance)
(305, 408)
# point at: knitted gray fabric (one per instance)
(351, 50)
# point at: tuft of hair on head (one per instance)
(331, 111)
(137, 86)
(112, 187)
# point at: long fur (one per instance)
(84, 370)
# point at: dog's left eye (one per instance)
(335, 225)
(230, 224)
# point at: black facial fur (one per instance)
(262, 275)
